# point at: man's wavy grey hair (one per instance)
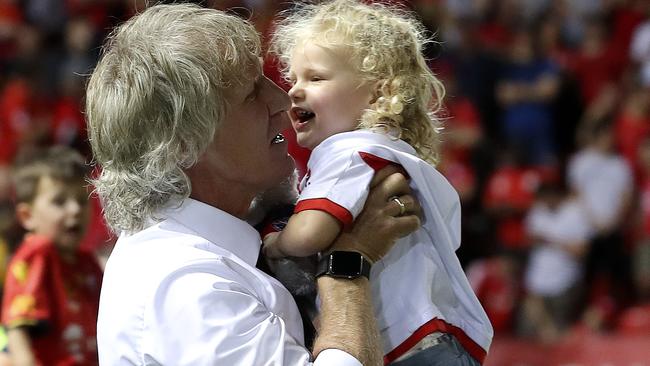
(155, 101)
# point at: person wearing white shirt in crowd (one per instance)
(602, 178)
(640, 51)
(186, 130)
(560, 232)
(604, 184)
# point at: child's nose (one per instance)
(74, 207)
(296, 92)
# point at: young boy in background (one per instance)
(51, 294)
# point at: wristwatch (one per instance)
(342, 264)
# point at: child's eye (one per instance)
(316, 78)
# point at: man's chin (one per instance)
(285, 192)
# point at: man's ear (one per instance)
(24, 215)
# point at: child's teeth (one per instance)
(304, 115)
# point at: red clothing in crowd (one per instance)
(68, 123)
(15, 117)
(594, 72)
(463, 121)
(630, 131)
(11, 17)
(497, 290)
(509, 194)
(42, 290)
(635, 321)
(625, 19)
(95, 11)
(644, 193)
(462, 132)
(98, 234)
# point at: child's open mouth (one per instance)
(73, 229)
(301, 116)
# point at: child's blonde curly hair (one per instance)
(385, 45)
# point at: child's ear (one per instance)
(376, 91)
(24, 215)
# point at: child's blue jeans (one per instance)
(448, 352)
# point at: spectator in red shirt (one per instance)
(509, 194)
(595, 66)
(632, 126)
(461, 135)
(636, 320)
(51, 294)
(495, 282)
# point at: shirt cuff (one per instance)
(336, 357)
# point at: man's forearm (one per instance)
(347, 320)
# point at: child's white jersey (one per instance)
(419, 287)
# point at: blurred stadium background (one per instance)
(547, 106)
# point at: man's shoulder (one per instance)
(170, 248)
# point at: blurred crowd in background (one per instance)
(546, 139)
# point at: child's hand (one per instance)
(270, 247)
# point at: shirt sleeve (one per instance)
(337, 185)
(225, 323)
(26, 300)
(337, 357)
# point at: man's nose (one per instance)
(277, 99)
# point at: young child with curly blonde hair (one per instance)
(363, 98)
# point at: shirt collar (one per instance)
(218, 227)
(357, 137)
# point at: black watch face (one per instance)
(347, 263)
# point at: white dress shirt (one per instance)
(185, 291)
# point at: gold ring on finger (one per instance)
(402, 206)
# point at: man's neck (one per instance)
(228, 197)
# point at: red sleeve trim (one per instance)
(323, 204)
(374, 161)
(377, 163)
(437, 325)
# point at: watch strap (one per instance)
(343, 264)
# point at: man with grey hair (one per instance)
(186, 129)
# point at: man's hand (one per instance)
(380, 224)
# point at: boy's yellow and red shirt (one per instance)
(57, 301)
